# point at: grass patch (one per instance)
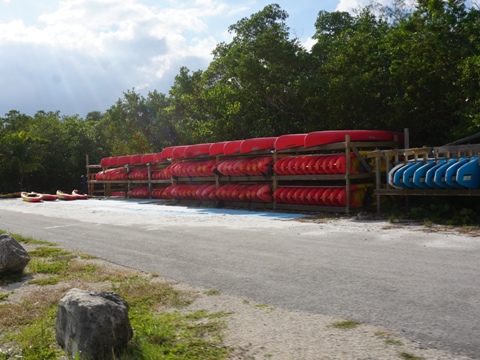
(48, 266)
(44, 252)
(202, 314)
(140, 292)
(5, 296)
(408, 356)
(212, 292)
(53, 280)
(37, 339)
(348, 324)
(28, 239)
(87, 257)
(171, 335)
(393, 342)
(265, 307)
(388, 339)
(32, 308)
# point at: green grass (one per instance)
(47, 266)
(5, 296)
(408, 356)
(388, 338)
(87, 257)
(348, 324)
(161, 331)
(37, 339)
(212, 292)
(393, 342)
(27, 239)
(171, 335)
(268, 309)
(44, 252)
(53, 280)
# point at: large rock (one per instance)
(13, 257)
(92, 325)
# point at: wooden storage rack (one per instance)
(344, 180)
(383, 188)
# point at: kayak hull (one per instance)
(318, 138)
(31, 197)
(63, 196)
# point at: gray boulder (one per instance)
(92, 325)
(13, 257)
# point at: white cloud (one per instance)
(86, 53)
(309, 44)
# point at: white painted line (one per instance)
(57, 226)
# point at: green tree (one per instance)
(136, 124)
(431, 52)
(21, 156)
(253, 87)
(353, 70)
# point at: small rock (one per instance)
(92, 325)
(13, 257)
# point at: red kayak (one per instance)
(49, 197)
(123, 160)
(62, 196)
(166, 153)
(178, 152)
(79, 196)
(256, 144)
(31, 196)
(147, 159)
(232, 147)
(217, 148)
(318, 138)
(197, 150)
(289, 141)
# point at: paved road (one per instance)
(425, 285)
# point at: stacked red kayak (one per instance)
(261, 193)
(249, 158)
(317, 165)
(139, 193)
(321, 196)
(114, 174)
(244, 166)
(191, 192)
(192, 168)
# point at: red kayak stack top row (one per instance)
(226, 148)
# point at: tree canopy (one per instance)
(385, 68)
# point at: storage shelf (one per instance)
(193, 179)
(276, 181)
(246, 178)
(431, 192)
(310, 208)
(324, 177)
(419, 155)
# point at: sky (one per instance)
(78, 56)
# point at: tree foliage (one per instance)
(377, 68)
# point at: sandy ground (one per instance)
(256, 331)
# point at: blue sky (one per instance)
(77, 56)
